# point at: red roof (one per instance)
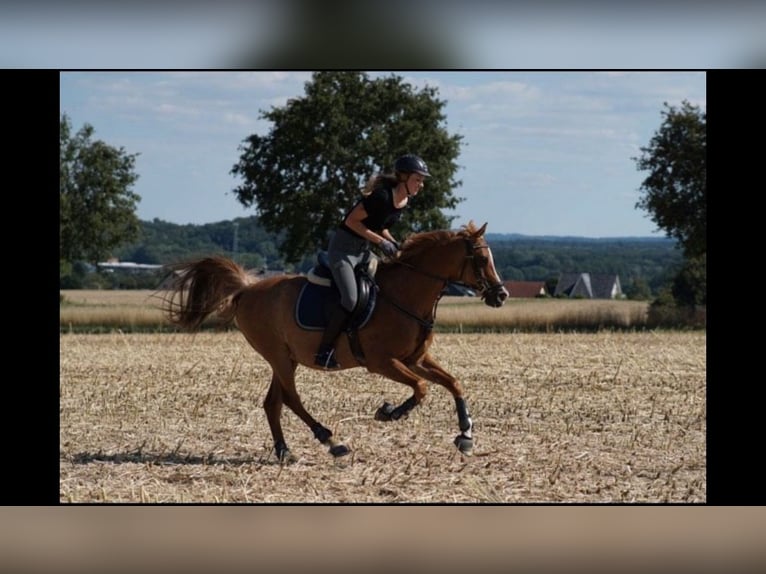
(525, 288)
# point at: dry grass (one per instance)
(602, 417)
(459, 313)
(105, 297)
(110, 308)
(132, 310)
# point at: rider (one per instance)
(368, 222)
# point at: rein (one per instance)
(425, 323)
(428, 325)
(484, 284)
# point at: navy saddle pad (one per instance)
(319, 295)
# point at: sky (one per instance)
(543, 153)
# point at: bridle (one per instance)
(484, 285)
(478, 262)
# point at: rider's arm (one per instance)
(354, 222)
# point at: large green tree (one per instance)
(96, 203)
(675, 191)
(307, 171)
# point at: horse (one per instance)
(394, 342)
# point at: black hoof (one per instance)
(384, 412)
(464, 444)
(339, 450)
(286, 457)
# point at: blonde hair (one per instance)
(379, 180)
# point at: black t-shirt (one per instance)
(381, 213)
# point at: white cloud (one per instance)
(531, 139)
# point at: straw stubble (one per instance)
(604, 417)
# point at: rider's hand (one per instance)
(387, 247)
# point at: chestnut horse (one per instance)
(395, 340)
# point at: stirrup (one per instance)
(326, 359)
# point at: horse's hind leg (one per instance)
(272, 404)
(290, 397)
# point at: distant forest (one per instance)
(643, 264)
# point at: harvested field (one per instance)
(85, 311)
(559, 417)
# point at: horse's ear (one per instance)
(481, 231)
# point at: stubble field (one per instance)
(559, 417)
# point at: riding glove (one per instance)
(387, 247)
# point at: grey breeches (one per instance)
(345, 251)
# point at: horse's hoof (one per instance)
(464, 444)
(286, 457)
(339, 450)
(384, 412)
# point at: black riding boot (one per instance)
(325, 356)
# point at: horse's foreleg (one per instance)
(397, 371)
(388, 412)
(432, 371)
(464, 441)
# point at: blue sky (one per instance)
(544, 153)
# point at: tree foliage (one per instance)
(306, 173)
(675, 191)
(653, 262)
(689, 287)
(96, 204)
(165, 243)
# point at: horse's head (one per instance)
(467, 260)
(481, 274)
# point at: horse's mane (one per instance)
(418, 243)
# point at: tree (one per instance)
(675, 192)
(306, 173)
(96, 204)
(689, 286)
(638, 289)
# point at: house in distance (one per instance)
(526, 288)
(589, 286)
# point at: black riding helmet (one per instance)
(411, 163)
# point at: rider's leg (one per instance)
(325, 356)
(343, 273)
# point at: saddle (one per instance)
(320, 293)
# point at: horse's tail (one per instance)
(202, 287)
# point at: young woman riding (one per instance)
(367, 223)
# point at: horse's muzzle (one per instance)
(495, 295)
